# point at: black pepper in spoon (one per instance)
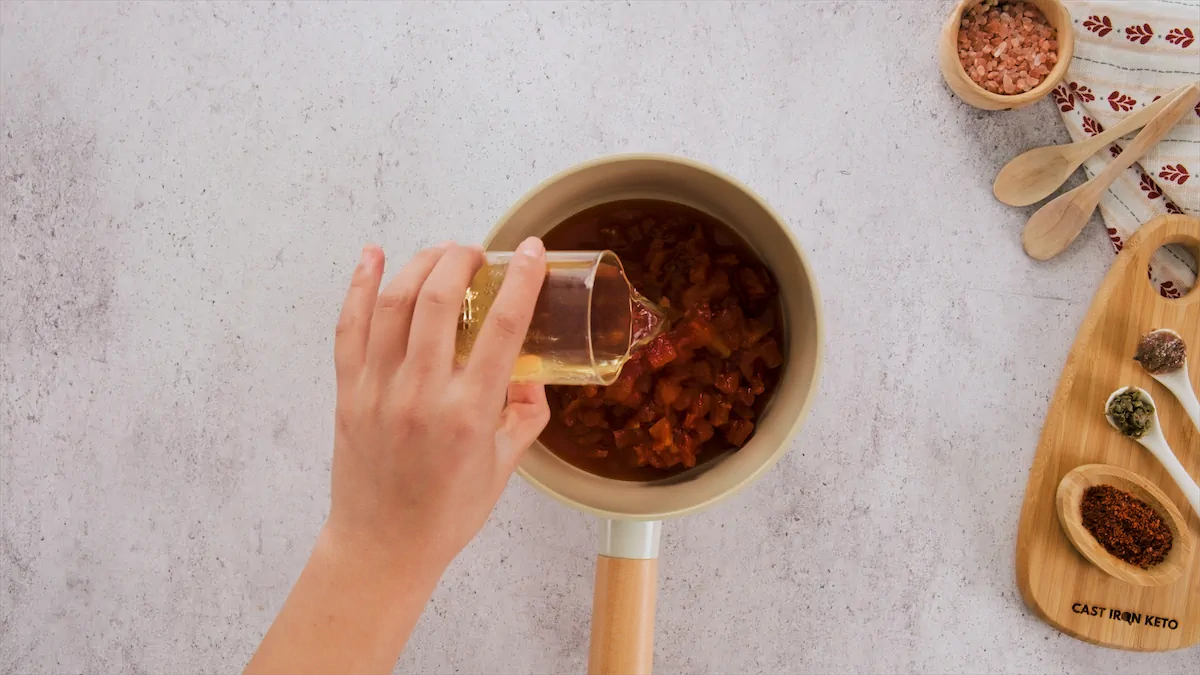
(1161, 351)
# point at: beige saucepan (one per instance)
(626, 570)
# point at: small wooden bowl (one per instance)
(952, 69)
(1070, 494)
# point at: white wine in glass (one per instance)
(586, 324)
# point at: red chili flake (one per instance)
(1125, 526)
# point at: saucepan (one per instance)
(631, 513)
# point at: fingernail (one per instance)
(532, 247)
(369, 259)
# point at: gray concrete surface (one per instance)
(185, 191)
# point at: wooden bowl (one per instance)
(952, 69)
(1070, 494)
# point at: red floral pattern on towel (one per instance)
(1128, 54)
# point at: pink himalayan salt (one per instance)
(1007, 47)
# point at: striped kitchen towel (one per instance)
(1128, 54)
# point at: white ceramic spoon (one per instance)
(1177, 381)
(1156, 443)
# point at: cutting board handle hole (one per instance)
(1181, 257)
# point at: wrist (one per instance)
(394, 565)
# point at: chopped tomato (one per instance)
(746, 362)
(751, 284)
(613, 236)
(661, 432)
(743, 411)
(756, 329)
(685, 398)
(697, 410)
(596, 401)
(699, 271)
(738, 432)
(693, 389)
(667, 391)
(657, 256)
(635, 366)
(593, 418)
(719, 415)
(756, 384)
(627, 438)
(570, 413)
(592, 438)
(769, 351)
(697, 331)
(729, 319)
(645, 383)
(703, 403)
(647, 414)
(727, 382)
(687, 446)
(621, 391)
(720, 348)
(660, 352)
(718, 284)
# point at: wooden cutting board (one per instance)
(1056, 581)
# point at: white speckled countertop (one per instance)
(186, 188)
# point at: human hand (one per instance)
(423, 448)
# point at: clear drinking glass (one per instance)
(587, 321)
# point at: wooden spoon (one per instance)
(1067, 502)
(1052, 229)
(1031, 176)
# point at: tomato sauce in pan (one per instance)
(696, 390)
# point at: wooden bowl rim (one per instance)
(1166, 572)
(1066, 52)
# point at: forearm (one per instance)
(351, 611)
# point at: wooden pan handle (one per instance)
(623, 617)
(623, 604)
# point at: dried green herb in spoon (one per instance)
(1131, 413)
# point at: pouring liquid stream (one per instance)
(587, 322)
